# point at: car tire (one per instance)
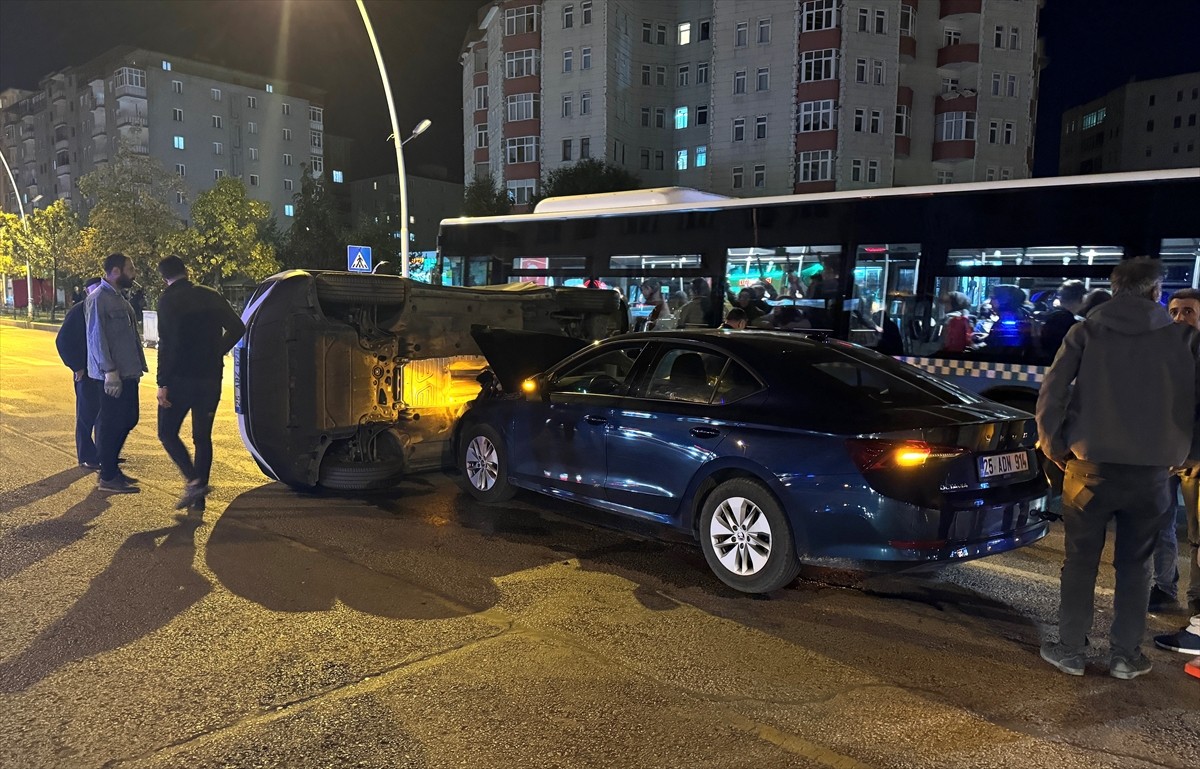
(341, 475)
(483, 463)
(746, 537)
(348, 288)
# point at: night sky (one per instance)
(1091, 46)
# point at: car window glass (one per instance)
(734, 384)
(601, 374)
(685, 375)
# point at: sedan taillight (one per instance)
(877, 454)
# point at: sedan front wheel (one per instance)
(484, 464)
(746, 537)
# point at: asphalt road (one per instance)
(423, 630)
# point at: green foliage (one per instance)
(484, 197)
(131, 211)
(224, 238)
(50, 238)
(8, 242)
(315, 240)
(588, 176)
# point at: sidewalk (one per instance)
(40, 325)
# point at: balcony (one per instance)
(958, 56)
(903, 146)
(99, 125)
(138, 91)
(908, 48)
(131, 119)
(956, 101)
(139, 149)
(954, 151)
(953, 8)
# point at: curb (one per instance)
(34, 324)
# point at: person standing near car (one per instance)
(196, 328)
(1116, 412)
(116, 359)
(73, 351)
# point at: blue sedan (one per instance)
(771, 449)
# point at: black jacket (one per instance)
(72, 339)
(196, 327)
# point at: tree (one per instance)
(315, 240)
(225, 237)
(131, 211)
(378, 234)
(8, 249)
(588, 176)
(484, 197)
(49, 239)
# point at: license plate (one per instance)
(996, 465)
(237, 380)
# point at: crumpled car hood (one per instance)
(516, 355)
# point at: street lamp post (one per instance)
(387, 90)
(25, 224)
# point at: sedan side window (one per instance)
(735, 383)
(602, 374)
(686, 375)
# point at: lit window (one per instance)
(338, 177)
(685, 33)
(289, 209)
(178, 142)
(681, 117)
(681, 160)
(166, 65)
(270, 88)
(701, 156)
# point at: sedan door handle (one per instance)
(594, 420)
(705, 432)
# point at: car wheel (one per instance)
(360, 289)
(484, 463)
(342, 475)
(746, 537)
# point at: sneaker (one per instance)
(1161, 600)
(1193, 668)
(90, 465)
(126, 478)
(1070, 662)
(117, 486)
(197, 506)
(191, 493)
(1183, 641)
(1127, 668)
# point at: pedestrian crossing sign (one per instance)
(358, 258)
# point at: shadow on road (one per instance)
(146, 585)
(40, 489)
(27, 545)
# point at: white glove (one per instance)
(112, 384)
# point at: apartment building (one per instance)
(753, 97)
(377, 198)
(1140, 126)
(201, 121)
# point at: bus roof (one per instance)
(671, 199)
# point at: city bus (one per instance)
(876, 267)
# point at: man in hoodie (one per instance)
(73, 351)
(1117, 412)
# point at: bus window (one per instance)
(787, 287)
(465, 271)
(1181, 262)
(883, 301)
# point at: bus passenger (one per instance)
(1058, 321)
(1093, 299)
(1011, 328)
(750, 304)
(695, 312)
(735, 319)
(957, 334)
(652, 295)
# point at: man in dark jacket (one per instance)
(196, 327)
(1058, 321)
(72, 349)
(1117, 412)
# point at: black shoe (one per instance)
(117, 486)
(1161, 600)
(1183, 642)
(126, 478)
(197, 506)
(90, 465)
(191, 493)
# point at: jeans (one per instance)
(201, 398)
(87, 409)
(1166, 548)
(118, 416)
(1191, 508)
(1093, 494)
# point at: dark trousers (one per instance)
(200, 397)
(1191, 508)
(118, 416)
(87, 409)
(1093, 494)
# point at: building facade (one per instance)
(1137, 127)
(429, 202)
(753, 97)
(198, 120)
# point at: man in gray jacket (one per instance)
(1117, 411)
(115, 358)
